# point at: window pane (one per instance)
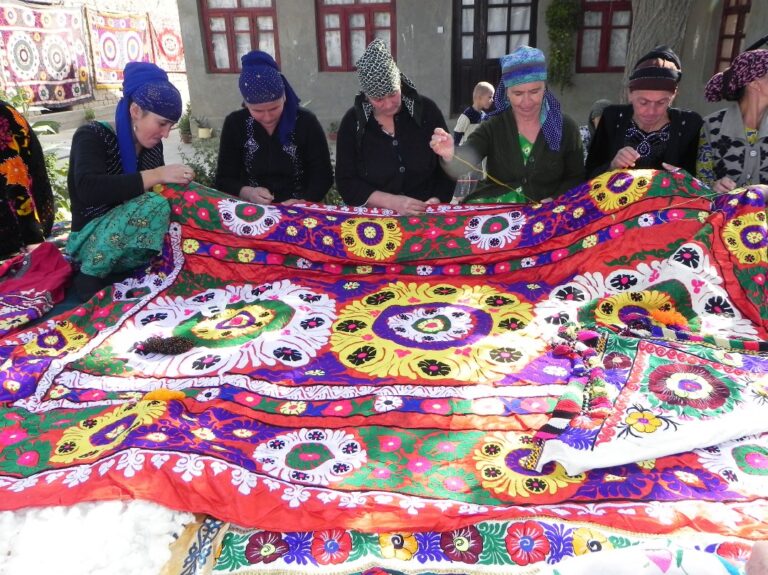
(217, 25)
(256, 3)
(618, 54)
(384, 36)
(267, 43)
(521, 19)
(467, 20)
(265, 23)
(242, 24)
(730, 25)
(333, 2)
(222, 3)
(517, 40)
(357, 20)
(593, 18)
(497, 46)
(374, 1)
(467, 47)
(622, 18)
(468, 2)
(497, 19)
(220, 52)
(357, 44)
(332, 21)
(726, 48)
(242, 45)
(333, 49)
(381, 19)
(590, 48)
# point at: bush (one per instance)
(57, 175)
(203, 160)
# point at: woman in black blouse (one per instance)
(647, 132)
(383, 158)
(272, 151)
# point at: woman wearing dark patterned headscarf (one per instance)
(648, 132)
(733, 144)
(532, 150)
(116, 225)
(383, 158)
(26, 204)
(272, 150)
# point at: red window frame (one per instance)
(739, 9)
(344, 11)
(229, 15)
(607, 9)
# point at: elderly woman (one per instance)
(383, 158)
(116, 224)
(533, 150)
(272, 151)
(733, 147)
(647, 132)
(26, 204)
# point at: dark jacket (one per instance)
(368, 160)
(307, 175)
(547, 173)
(96, 180)
(611, 133)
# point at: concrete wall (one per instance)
(424, 54)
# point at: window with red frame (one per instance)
(604, 35)
(232, 28)
(731, 38)
(346, 27)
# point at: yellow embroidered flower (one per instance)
(618, 189)
(608, 310)
(400, 546)
(477, 270)
(643, 421)
(204, 434)
(747, 238)
(246, 255)
(190, 246)
(589, 241)
(62, 339)
(363, 269)
(589, 541)
(376, 239)
(538, 227)
(438, 331)
(499, 463)
(293, 407)
(309, 223)
(292, 231)
(327, 240)
(109, 430)
(578, 212)
(559, 209)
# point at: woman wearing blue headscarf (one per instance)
(116, 226)
(272, 150)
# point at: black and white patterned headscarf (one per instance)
(378, 73)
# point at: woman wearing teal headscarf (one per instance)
(116, 225)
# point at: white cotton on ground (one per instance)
(110, 537)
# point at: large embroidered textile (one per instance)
(116, 39)
(392, 385)
(167, 45)
(44, 55)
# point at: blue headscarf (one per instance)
(148, 86)
(261, 81)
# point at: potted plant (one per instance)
(204, 130)
(185, 125)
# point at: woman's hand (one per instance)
(171, 174)
(625, 158)
(442, 144)
(403, 205)
(724, 185)
(257, 195)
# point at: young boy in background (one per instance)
(482, 96)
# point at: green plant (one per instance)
(89, 114)
(57, 175)
(204, 158)
(201, 121)
(20, 99)
(185, 123)
(562, 18)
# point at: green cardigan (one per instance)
(546, 174)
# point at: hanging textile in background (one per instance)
(167, 46)
(44, 55)
(116, 39)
